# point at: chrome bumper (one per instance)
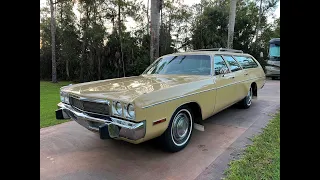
(272, 71)
(108, 127)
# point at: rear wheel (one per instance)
(246, 102)
(179, 131)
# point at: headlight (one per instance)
(64, 97)
(117, 108)
(130, 111)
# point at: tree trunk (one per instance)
(84, 44)
(162, 33)
(168, 34)
(99, 63)
(201, 37)
(186, 36)
(155, 17)
(148, 20)
(118, 67)
(132, 57)
(61, 12)
(67, 69)
(91, 59)
(232, 18)
(53, 43)
(120, 37)
(83, 49)
(259, 20)
(113, 25)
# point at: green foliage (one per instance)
(49, 98)
(210, 29)
(88, 46)
(261, 159)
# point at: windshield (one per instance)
(182, 64)
(274, 50)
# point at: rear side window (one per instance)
(234, 65)
(246, 62)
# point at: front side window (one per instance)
(220, 66)
(234, 66)
(246, 62)
(181, 64)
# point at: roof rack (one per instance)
(220, 49)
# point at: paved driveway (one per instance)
(68, 151)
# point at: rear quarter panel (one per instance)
(258, 75)
(254, 75)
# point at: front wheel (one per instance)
(179, 131)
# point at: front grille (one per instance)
(89, 106)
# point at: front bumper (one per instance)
(108, 127)
(272, 71)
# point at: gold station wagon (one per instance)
(168, 100)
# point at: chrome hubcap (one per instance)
(249, 97)
(181, 126)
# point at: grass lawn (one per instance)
(49, 98)
(261, 160)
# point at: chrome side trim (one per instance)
(157, 103)
(116, 121)
(178, 98)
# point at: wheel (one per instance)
(246, 102)
(178, 134)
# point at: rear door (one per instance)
(250, 69)
(248, 64)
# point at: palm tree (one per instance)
(232, 18)
(53, 43)
(155, 21)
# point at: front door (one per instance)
(224, 81)
(240, 77)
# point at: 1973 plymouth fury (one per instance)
(168, 100)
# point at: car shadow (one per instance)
(154, 145)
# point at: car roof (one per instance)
(208, 52)
(275, 41)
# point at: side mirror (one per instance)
(261, 54)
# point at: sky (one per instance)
(131, 25)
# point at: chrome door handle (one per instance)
(232, 77)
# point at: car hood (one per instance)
(128, 88)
